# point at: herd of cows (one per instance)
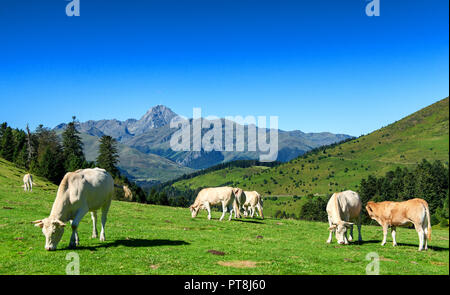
(89, 190)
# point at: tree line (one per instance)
(427, 180)
(45, 154)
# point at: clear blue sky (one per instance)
(318, 65)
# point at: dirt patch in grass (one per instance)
(215, 252)
(387, 259)
(238, 263)
(438, 263)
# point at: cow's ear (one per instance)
(332, 227)
(348, 224)
(38, 223)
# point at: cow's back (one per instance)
(344, 203)
(215, 195)
(93, 187)
(251, 197)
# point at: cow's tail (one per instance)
(427, 210)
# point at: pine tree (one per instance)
(108, 156)
(72, 147)
(7, 145)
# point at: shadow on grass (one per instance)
(133, 243)
(249, 221)
(430, 247)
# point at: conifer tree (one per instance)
(108, 156)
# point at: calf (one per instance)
(393, 214)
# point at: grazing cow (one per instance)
(393, 214)
(127, 193)
(227, 196)
(79, 192)
(28, 182)
(252, 200)
(342, 208)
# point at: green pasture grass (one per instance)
(149, 239)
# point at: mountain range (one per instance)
(147, 157)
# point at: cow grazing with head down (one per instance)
(28, 182)
(393, 214)
(79, 192)
(252, 200)
(226, 196)
(342, 208)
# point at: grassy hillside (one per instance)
(424, 134)
(147, 239)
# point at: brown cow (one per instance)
(393, 214)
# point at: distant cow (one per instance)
(226, 196)
(28, 182)
(393, 214)
(79, 192)
(252, 200)
(342, 208)
(127, 193)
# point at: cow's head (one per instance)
(52, 229)
(194, 210)
(341, 231)
(369, 209)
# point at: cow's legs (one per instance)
(330, 237)
(385, 231)
(74, 241)
(394, 242)
(350, 237)
(258, 206)
(231, 208)
(425, 236)
(421, 234)
(358, 224)
(94, 224)
(31, 186)
(105, 210)
(208, 208)
(224, 211)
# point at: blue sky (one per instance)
(319, 65)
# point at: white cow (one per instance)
(28, 182)
(226, 196)
(342, 208)
(127, 193)
(252, 200)
(79, 192)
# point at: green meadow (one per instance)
(150, 239)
